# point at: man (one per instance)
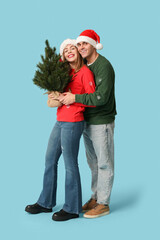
(99, 126)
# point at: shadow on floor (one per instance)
(125, 199)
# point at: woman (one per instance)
(64, 139)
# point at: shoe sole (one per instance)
(95, 216)
(37, 212)
(61, 220)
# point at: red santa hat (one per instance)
(91, 37)
(65, 43)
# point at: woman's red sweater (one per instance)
(82, 82)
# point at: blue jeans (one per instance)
(64, 139)
(99, 145)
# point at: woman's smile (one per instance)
(70, 55)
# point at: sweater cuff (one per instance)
(78, 98)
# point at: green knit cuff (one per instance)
(78, 98)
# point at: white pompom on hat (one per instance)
(65, 43)
(91, 37)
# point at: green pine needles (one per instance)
(52, 74)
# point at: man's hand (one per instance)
(67, 98)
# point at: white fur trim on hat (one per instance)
(86, 39)
(65, 43)
(89, 40)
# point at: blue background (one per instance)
(130, 34)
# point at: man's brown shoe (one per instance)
(98, 211)
(89, 205)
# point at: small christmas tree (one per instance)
(52, 74)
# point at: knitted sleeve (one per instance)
(104, 85)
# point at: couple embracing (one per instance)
(88, 108)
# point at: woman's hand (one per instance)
(52, 96)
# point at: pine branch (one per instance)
(52, 75)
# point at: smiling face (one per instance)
(70, 53)
(85, 49)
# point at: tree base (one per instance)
(52, 102)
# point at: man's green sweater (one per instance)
(103, 97)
